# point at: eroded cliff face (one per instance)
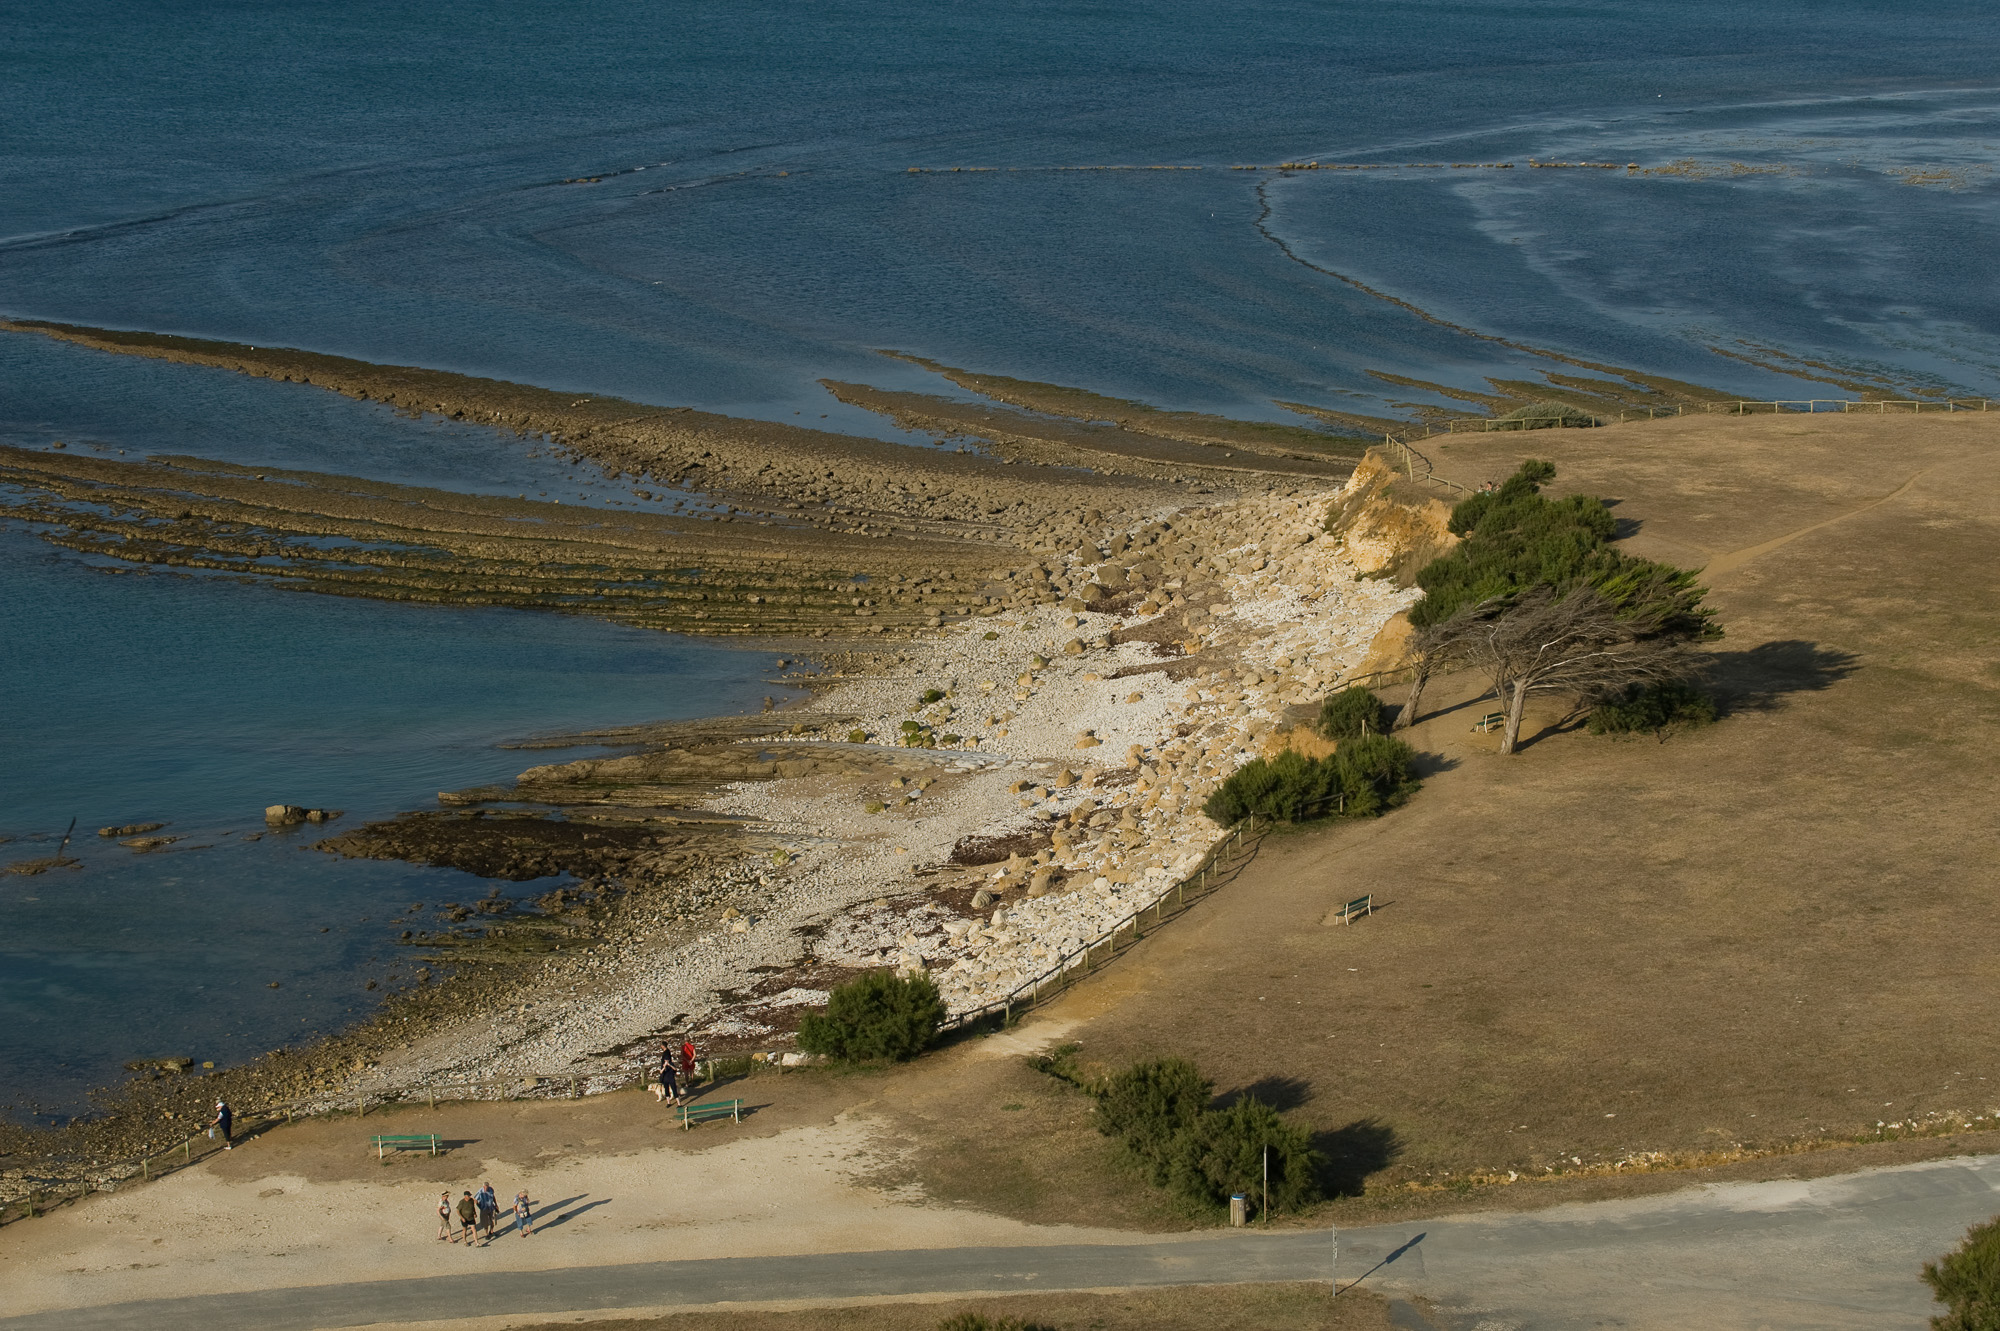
(1387, 527)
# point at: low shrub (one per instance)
(1223, 1152)
(1967, 1282)
(1547, 416)
(1375, 774)
(1350, 714)
(1289, 788)
(875, 1017)
(1160, 1112)
(1364, 777)
(930, 696)
(1149, 1106)
(1653, 709)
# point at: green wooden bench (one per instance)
(1491, 721)
(416, 1141)
(1355, 909)
(693, 1114)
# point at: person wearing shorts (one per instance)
(468, 1217)
(445, 1230)
(524, 1215)
(489, 1210)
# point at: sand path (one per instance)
(613, 1180)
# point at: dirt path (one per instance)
(613, 1180)
(1735, 559)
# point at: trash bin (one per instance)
(1238, 1210)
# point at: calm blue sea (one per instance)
(388, 182)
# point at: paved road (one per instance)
(1832, 1253)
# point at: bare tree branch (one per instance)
(1576, 643)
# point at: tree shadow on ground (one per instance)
(1283, 1094)
(1755, 680)
(1428, 765)
(1349, 1155)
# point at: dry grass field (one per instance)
(1776, 931)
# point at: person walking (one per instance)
(224, 1118)
(468, 1216)
(687, 1065)
(445, 1230)
(489, 1210)
(524, 1215)
(669, 1080)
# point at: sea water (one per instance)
(713, 205)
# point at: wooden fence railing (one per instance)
(1102, 950)
(1418, 467)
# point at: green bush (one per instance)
(1967, 1282)
(876, 1016)
(1652, 709)
(1160, 1113)
(1350, 713)
(1222, 1152)
(1363, 778)
(1149, 1106)
(1289, 788)
(1548, 416)
(1373, 775)
(930, 696)
(981, 1322)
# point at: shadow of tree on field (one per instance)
(1283, 1094)
(1755, 680)
(1427, 765)
(1349, 1155)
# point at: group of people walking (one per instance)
(476, 1216)
(675, 1078)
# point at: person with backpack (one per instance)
(489, 1210)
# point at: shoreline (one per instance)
(1212, 600)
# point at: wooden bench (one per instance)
(417, 1141)
(1490, 721)
(693, 1114)
(1355, 909)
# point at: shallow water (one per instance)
(388, 182)
(198, 701)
